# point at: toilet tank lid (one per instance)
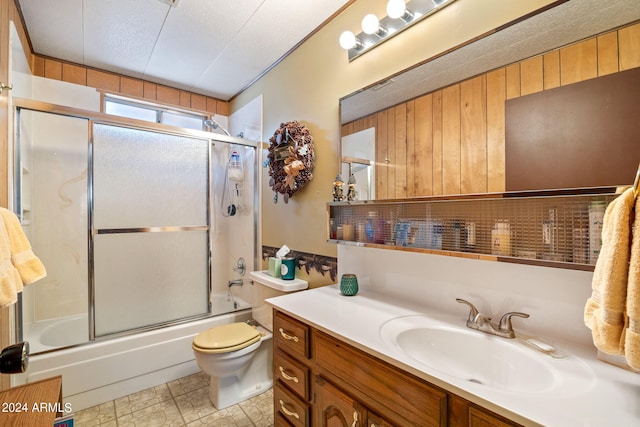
(264, 278)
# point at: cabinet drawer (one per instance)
(384, 389)
(292, 373)
(291, 335)
(289, 406)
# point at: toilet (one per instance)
(238, 356)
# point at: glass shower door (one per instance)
(51, 200)
(150, 228)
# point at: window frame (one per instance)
(159, 109)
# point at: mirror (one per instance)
(544, 30)
(358, 160)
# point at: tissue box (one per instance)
(274, 266)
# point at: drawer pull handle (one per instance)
(288, 412)
(287, 336)
(355, 419)
(288, 377)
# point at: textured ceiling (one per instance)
(212, 47)
(564, 24)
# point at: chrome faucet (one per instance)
(482, 323)
(237, 282)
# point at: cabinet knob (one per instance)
(287, 335)
(387, 160)
(288, 412)
(286, 376)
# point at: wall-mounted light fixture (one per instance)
(400, 16)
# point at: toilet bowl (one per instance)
(238, 356)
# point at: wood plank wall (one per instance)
(135, 88)
(452, 141)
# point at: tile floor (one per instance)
(183, 402)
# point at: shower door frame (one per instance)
(94, 117)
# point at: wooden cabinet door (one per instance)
(333, 408)
(480, 418)
(374, 420)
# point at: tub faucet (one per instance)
(237, 282)
(482, 323)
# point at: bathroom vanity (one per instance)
(333, 366)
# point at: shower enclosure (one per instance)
(128, 219)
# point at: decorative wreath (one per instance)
(291, 159)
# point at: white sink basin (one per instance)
(499, 363)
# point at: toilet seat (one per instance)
(226, 338)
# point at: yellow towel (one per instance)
(10, 281)
(605, 311)
(632, 335)
(18, 264)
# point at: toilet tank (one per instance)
(265, 287)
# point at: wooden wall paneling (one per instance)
(198, 102)
(355, 126)
(607, 45)
(473, 135)
(212, 106)
(437, 175)
(578, 62)
(38, 66)
(551, 69)
(391, 153)
(451, 139)
(629, 47)
(411, 148)
(132, 87)
(400, 151)
(185, 99)
(496, 96)
(423, 146)
(345, 129)
(531, 76)
(513, 81)
(223, 107)
(102, 80)
(370, 121)
(168, 95)
(150, 90)
(381, 156)
(74, 74)
(52, 69)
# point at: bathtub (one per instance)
(96, 372)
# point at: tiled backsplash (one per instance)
(541, 228)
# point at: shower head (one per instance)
(215, 125)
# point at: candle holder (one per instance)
(348, 285)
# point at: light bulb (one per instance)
(370, 24)
(348, 40)
(395, 8)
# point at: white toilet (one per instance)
(237, 356)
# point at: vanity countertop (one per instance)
(609, 397)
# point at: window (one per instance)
(139, 110)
